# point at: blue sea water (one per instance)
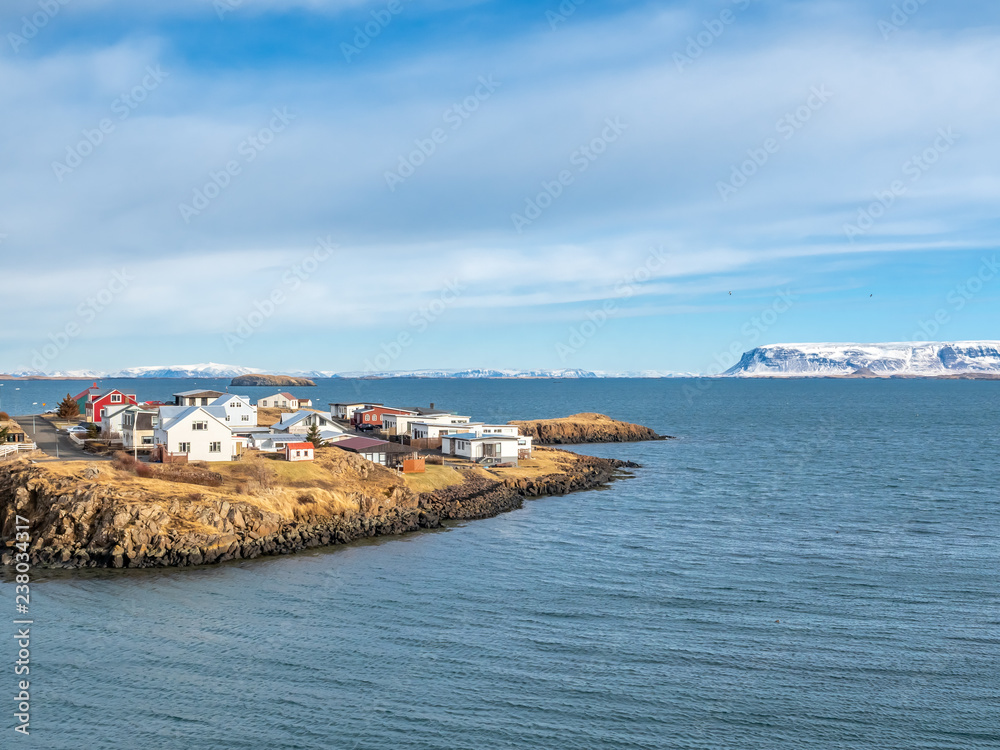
(811, 564)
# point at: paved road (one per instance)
(46, 437)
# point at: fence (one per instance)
(14, 448)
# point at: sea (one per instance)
(808, 564)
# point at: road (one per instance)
(46, 437)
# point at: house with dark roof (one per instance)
(200, 397)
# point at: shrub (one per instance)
(4, 416)
(434, 460)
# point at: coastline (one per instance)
(123, 531)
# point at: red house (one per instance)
(371, 418)
(101, 403)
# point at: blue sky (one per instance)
(324, 184)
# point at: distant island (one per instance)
(584, 428)
(277, 381)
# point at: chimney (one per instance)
(432, 404)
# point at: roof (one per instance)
(214, 394)
(122, 407)
(278, 437)
(362, 444)
(300, 446)
(81, 394)
(144, 420)
(424, 411)
(108, 391)
(295, 418)
(171, 414)
(225, 398)
(358, 403)
(473, 436)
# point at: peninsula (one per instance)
(127, 513)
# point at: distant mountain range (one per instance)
(923, 360)
(941, 359)
(214, 370)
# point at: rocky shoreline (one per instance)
(90, 524)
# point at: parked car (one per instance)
(51, 411)
(77, 428)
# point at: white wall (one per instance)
(241, 413)
(181, 431)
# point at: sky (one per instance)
(395, 185)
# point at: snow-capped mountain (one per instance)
(826, 360)
(207, 370)
(213, 370)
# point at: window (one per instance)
(197, 426)
(147, 439)
(298, 453)
(116, 398)
(184, 447)
(246, 417)
(215, 447)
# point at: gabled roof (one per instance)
(225, 398)
(300, 446)
(361, 444)
(424, 411)
(287, 420)
(82, 394)
(201, 393)
(470, 436)
(357, 403)
(170, 415)
(123, 407)
(108, 391)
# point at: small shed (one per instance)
(300, 452)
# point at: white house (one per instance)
(283, 401)
(400, 424)
(239, 411)
(112, 420)
(486, 449)
(302, 421)
(200, 432)
(346, 411)
(138, 428)
(299, 452)
(432, 430)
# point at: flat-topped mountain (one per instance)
(277, 381)
(941, 359)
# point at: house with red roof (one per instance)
(300, 451)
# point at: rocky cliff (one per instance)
(584, 428)
(89, 515)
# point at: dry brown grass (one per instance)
(435, 478)
(543, 461)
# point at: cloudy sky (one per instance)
(345, 185)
